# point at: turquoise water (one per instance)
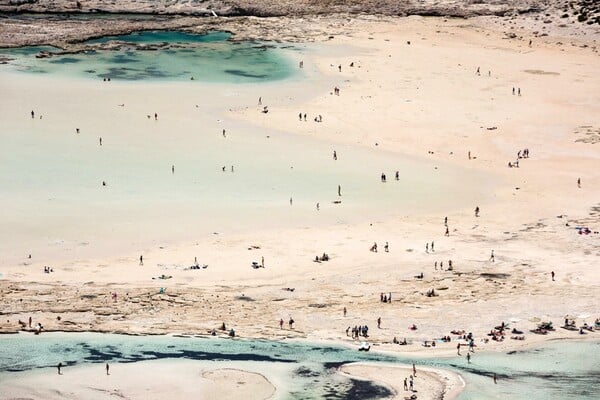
(163, 56)
(565, 370)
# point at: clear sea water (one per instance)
(559, 370)
(169, 55)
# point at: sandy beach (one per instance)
(453, 101)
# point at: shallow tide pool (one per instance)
(160, 55)
(562, 369)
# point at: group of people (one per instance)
(385, 298)
(47, 270)
(450, 267)
(357, 331)
(386, 247)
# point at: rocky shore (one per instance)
(273, 8)
(63, 25)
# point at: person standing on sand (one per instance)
(224, 135)
(172, 169)
(386, 247)
(551, 274)
(447, 232)
(345, 312)
(477, 211)
(32, 114)
(492, 257)
(579, 183)
(59, 366)
(318, 207)
(262, 262)
(339, 190)
(107, 368)
(414, 370)
(100, 140)
(155, 116)
(334, 156)
(141, 260)
(406, 384)
(281, 323)
(379, 322)
(432, 244)
(495, 379)
(468, 358)
(427, 247)
(458, 349)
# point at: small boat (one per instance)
(364, 346)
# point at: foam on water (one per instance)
(565, 370)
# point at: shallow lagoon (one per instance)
(562, 369)
(163, 55)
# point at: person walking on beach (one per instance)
(318, 208)
(579, 183)
(345, 311)
(432, 244)
(477, 211)
(291, 323)
(447, 232)
(224, 135)
(386, 247)
(32, 114)
(107, 368)
(551, 274)
(492, 257)
(406, 384)
(458, 349)
(414, 370)
(59, 366)
(334, 155)
(172, 169)
(100, 140)
(339, 190)
(495, 379)
(155, 116)
(281, 323)
(379, 322)
(468, 358)
(262, 262)
(141, 260)
(427, 247)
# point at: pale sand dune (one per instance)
(428, 384)
(409, 99)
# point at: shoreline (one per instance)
(504, 260)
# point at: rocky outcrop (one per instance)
(269, 8)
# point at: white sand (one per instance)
(182, 379)
(428, 383)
